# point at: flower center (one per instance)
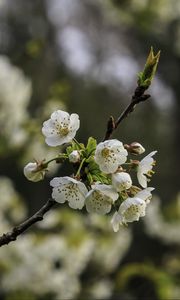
(71, 191)
(63, 130)
(105, 152)
(131, 212)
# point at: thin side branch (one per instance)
(138, 97)
(8, 237)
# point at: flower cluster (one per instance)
(102, 180)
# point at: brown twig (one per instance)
(138, 97)
(8, 237)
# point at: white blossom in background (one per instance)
(144, 168)
(60, 128)
(52, 104)
(130, 210)
(156, 225)
(109, 155)
(10, 205)
(106, 256)
(32, 172)
(23, 262)
(101, 289)
(50, 221)
(121, 181)
(63, 257)
(74, 156)
(100, 199)
(15, 93)
(70, 190)
(77, 258)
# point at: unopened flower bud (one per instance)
(136, 148)
(34, 171)
(74, 156)
(145, 77)
(121, 181)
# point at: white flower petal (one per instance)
(108, 190)
(56, 140)
(149, 156)
(122, 157)
(59, 195)
(60, 116)
(142, 179)
(52, 141)
(74, 122)
(56, 181)
(108, 167)
(113, 143)
(145, 194)
(116, 221)
(145, 165)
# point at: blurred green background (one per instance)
(83, 56)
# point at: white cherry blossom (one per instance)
(60, 128)
(144, 168)
(74, 156)
(130, 210)
(70, 190)
(100, 199)
(33, 172)
(109, 155)
(121, 181)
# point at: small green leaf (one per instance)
(91, 146)
(93, 166)
(77, 146)
(69, 149)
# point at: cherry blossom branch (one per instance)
(8, 237)
(36, 171)
(137, 97)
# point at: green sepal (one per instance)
(78, 146)
(69, 150)
(92, 166)
(74, 146)
(101, 178)
(95, 173)
(91, 146)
